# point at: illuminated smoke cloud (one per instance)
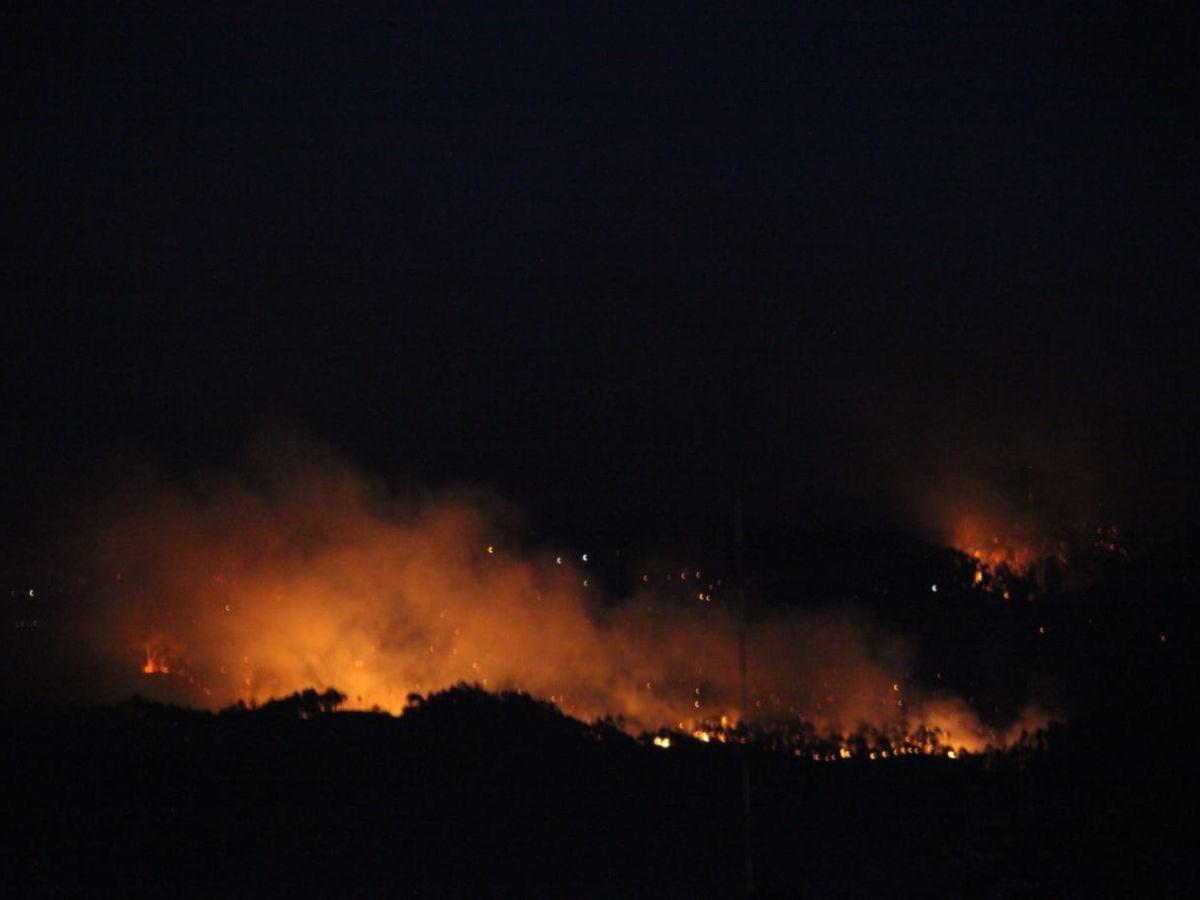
(1006, 499)
(293, 571)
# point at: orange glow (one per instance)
(156, 660)
(994, 544)
(325, 581)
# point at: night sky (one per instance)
(617, 268)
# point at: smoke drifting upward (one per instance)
(293, 570)
(1005, 498)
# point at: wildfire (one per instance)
(993, 546)
(243, 593)
(867, 744)
(156, 662)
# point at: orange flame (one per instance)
(321, 582)
(156, 662)
(994, 546)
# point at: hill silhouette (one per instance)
(471, 793)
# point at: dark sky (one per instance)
(612, 265)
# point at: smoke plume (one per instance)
(290, 570)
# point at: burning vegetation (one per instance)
(995, 546)
(1030, 521)
(156, 663)
(293, 574)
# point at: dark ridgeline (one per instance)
(470, 793)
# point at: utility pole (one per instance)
(747, 840)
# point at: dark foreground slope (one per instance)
(471, 794)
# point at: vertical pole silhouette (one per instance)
(747, 841)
